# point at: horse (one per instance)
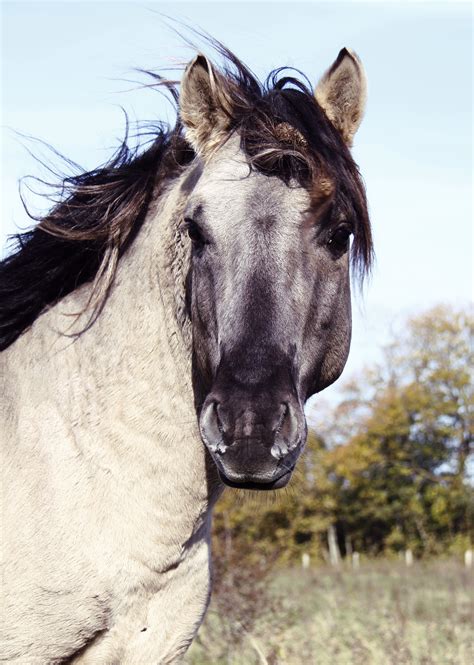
(161, 329)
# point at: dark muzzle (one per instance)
(254, 435)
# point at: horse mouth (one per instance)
(248, 484)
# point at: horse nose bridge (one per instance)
(252, 301)
(253, 369)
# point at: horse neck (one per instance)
(137, 360)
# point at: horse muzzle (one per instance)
(254, 442)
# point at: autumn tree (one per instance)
(403, 477)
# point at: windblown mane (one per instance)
(283, 131)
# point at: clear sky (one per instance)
(62, 65)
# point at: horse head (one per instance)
(271, 202)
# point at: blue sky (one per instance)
(62, 65)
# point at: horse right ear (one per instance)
(204, 106)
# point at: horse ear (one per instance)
(342, 93)
(205, 107)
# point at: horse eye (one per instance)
(339, 240)
(194, 232)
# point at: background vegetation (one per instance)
(381, 614)
(386, 470)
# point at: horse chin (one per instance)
(248, 484)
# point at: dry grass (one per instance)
(382, 614)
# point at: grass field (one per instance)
(382, 614)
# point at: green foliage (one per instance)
(390, 471)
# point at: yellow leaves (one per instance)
(351, 460)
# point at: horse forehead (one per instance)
(230, 188)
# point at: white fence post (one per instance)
(305, 560)
(334, 554)
(349, 549)
(355, 560)
(468, 558)
(408, 558)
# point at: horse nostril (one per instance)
(281, 419)
(220, 425)
(287, 433)
(211, 427)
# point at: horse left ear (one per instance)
(204, 106)
(342, 93)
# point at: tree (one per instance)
(403, 475)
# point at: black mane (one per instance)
(101, 211)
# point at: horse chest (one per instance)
(156, 572)
(155, 621)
